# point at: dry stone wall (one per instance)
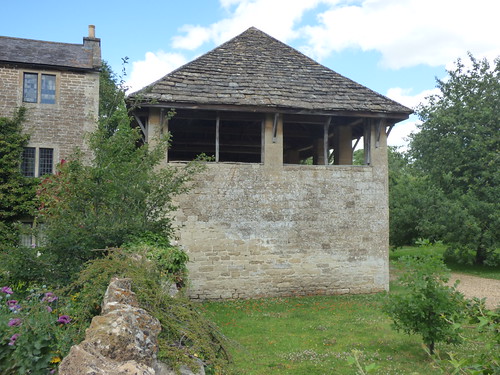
(121, 341)
(255, 231)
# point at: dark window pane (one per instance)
(28, 163)
(46, 158)
(48, 89)
(30, 88)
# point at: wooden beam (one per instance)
(217, 125)
(325, 140)
(275, 127)
(367, 136)
(355, 144)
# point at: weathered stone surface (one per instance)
(121, 341)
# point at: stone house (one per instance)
(281, 210)
(58, 83)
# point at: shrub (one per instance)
(427, 307)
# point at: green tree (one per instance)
(427, 307)
(458, 148)
(17, 193)
(124, 192)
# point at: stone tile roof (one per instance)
(256, 70)
(37, 52)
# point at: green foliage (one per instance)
(17, 193)
(478, 362)
(170, 260)
(185, 334)
(458, 150)
(428, 307)
(34, 333)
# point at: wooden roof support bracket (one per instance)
(325, 139)
(389, 130)
(275, 127)
(143, 128)
(355, 144)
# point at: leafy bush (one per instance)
(478, 362)
(170, 260)
(16, 191)
(428, 307)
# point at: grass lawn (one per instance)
(316, 335)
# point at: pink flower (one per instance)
(6, 290)
(49, 297)
(15, 322)
(64, 319)
(13, 339)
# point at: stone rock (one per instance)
(121, 341)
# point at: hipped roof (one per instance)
(48, 54)
(257, 70)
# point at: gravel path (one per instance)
(473, 286)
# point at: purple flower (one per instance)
(6, 290)
(13, 305)
(13, 339)
(15, 322)
(49, 297)
(49, 309)
(64, 319)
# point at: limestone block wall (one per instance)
(252, 231)
(62, 125)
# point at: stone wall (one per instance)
(251, 230)
(62, 125)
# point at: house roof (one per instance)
(53, 54)
(256, 70)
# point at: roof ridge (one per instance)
(256, 69)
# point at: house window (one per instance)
(39, 88)
(48, 91)
(28, 163)
(37, 161)
(32, 235)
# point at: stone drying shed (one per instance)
(281, 210)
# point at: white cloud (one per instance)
(153, 67)
(400, 132)
(404, 96)
(408, 32)
(275, 17)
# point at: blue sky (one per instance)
(395, 47)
